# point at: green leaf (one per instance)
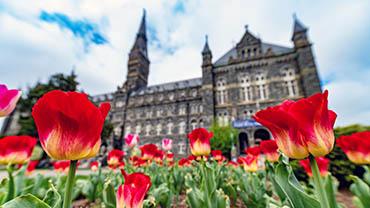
(109, 195)
(330, 190)
(26, 201)
(52, 197)
(297, 198)
(361, 190)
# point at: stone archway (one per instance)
(243, 142)
(260, 135)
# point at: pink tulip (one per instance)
(8, 100)
(132, 140)
(167, 144)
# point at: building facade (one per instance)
(250, 76)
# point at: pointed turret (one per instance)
(206, 49)
(299, 37)
(206, 54)
(298, 26)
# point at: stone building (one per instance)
(250, 76)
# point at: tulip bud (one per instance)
(200, 144)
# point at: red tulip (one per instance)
(322, 163)
(137, 161)
(132, 140)
(16, 149)
(184, 162)
(270, 149)
(169, 157)
(256, 150)
(301, 128)
(158, 156)
(356, 147)
(31, 166)
(148, 151)
(121, 165)
(8, 100)
(94, 166)
(114, 158)
(232, 164)
(200, 144)
(167, 144)
(62, 166)
(249, 163)
(69, 125)
(217, 155)
(132, 193)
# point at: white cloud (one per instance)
(32, 50)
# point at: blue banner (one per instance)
(245, 123)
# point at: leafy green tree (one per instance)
(223, 137)
(56, 82)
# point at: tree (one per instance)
(56, 82)
(223, 137)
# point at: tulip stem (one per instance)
(319, 186)
(69, 186)
(11, 185)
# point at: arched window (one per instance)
(221, 92)
(261, 134)
(148, 129)
(246, 92)
(128, 130)
(159, 129)
(182, 127)
(169, 128)
(262, 87)
(193, 124)
(291, 83)
(201, 123)
(138, 129)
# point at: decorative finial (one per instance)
(206, 38)
(144, 12)
(246, 27)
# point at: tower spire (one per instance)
(298, 26)
(140, 44)
(206, 47)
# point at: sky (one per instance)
(93, 38)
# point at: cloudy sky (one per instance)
(40, 38)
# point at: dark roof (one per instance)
(276, 49)
(169, 86)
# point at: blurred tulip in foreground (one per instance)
(16, 149)
(301, 128)
(8, 100)
(132, 193)
(69, 125)
(356, 147)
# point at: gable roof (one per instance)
(276, 49)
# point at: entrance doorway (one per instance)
(260, 135)
(243, 142)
